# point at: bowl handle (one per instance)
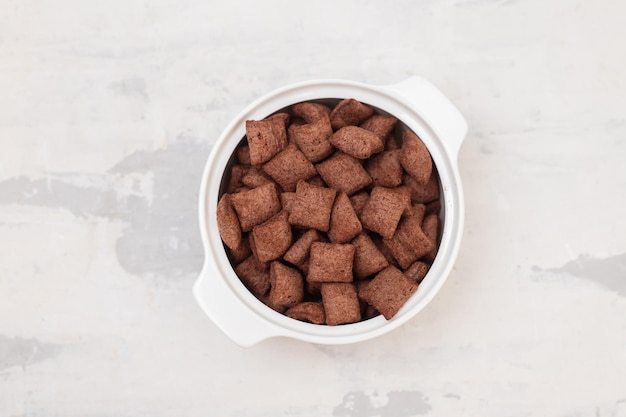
(228, 312)
(436, 110)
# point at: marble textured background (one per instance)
(108, 111)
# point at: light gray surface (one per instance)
(109, 110)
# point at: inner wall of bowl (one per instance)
(331, 102)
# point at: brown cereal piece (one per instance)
(317, 180)
(255, 177)
(341, 303)
(287, 285)
(272, 238)
(312, 206)
(236, 174)
(241, 252)
(283, 117)
(255, 275)
(286, 200)
(310, 311)
(343, 173)
(417, 271)
(418, 210)
(434, 207)
(415, 157)
(368, 259)
(242, 154)
(228, 223)
(298, 253)
(330, 262)
(256, 206)
(430, 226)
(266, 138)
(409, 242)
(380, 124)
(312, 137)
(392, 143)
(385, 169)
(359, 200)
(422, 193)
(344, 223)
(388, 291)
(349, 112)
(356, 142)
(288, 167)
(310, 112)
(383, 210)
(378, 241)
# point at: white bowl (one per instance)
(417, 104)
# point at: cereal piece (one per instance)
(356, 142)
(392, 143)
(343, 173)
(312, 137)
(256, 206)
(422, 193)
(378, 241)
(228, 223)
(418, 210)
(286, 200)
(344, 223)
(310, 311)
(385, 169)
(265, 138)
(241, 252)
(317, 180)
(299, 251)
(417, 271)
(242, 154)
(349, 112)
(236, 174)
(272, 238)
(368, 259)
(383, 210)
(388, 291)
(380, 124)
(415, 157)
(330, 262)
(430, 226)
(287, 285)
(310, 112)
(288, 167)
(434, 207)
(283, 117)
(359, 200)
(255, 275)
(255, 177)
(312, 206)
(409, 242)
(341, 303)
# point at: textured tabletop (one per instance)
(108, 112)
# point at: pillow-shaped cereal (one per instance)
(255, 206)
(310, 311)
(388, 291)
(383, 210)
(368, 259)
(272, 238)
(409, 242)
(287, 285)
(344, 223)
(385, 169)
(312, 206)
(422, 193)
(341, 303)
(298, 253)
(417, 271)
(266, 138)
(415, 157)
(380, 124)
(288, 167)
(255, 275)
(343, 173)
(330, 262)
(356, 142)
(349, 112)
(228, 223)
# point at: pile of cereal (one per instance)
(330, 215)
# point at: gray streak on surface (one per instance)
(162, 236)
(608, 272)
(399, 404)
(16, 351)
